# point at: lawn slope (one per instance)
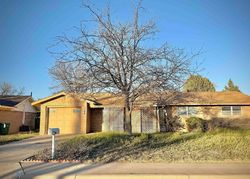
(4, 139)
(219, 145)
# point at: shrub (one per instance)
(219, 123)
(174, 124)
(196, 124)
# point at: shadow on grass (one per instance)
(110, 149)
(149, 143)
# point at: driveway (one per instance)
(12, 153)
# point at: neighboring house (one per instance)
(18, 111)
(105, 112)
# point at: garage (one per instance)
(74, 114)
(67, 119)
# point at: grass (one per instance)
(4, 139)
(219, 145)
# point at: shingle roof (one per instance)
(188, 98)
(12, 100)
(211, 98)
(168, 98)
(195, 98)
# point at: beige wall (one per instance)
(67, 119)
(214, 113)
(65, 103)
(136, 121)
(15, 119)
(26, 106)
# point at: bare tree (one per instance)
(5, 88)
(8, 89)
(114, 58)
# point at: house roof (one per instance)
(44, 100)
(104, 99)
(6, 108)
(96, 100)
(12, 101)
(210, 98)
(174, 99)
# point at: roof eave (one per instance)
(39, 102)
(6, 108)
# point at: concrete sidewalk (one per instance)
(135, 170)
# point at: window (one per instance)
(51, 110)
(186, 111)
(226, 110)
(182, 111)
(236, 110)
(231, 110)
(76, 110)
(192, 111)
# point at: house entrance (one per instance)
(96, 119)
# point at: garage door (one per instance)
(68, 120)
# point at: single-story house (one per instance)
(18, 111)
(223, 109)
(81, 113)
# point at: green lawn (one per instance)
(219, 145)
(4, 139)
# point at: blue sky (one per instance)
(221, 28)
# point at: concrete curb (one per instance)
(29, 159)
(139, 176)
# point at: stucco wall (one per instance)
(64, 102)
(15, 119)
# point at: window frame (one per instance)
(187, 111)
(232, 111)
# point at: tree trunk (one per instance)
(127, 123)
(128, 127)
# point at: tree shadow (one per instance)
(60, 170)
(148, 144)
(106, 152)
(102, 152)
